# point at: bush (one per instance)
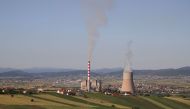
(135, 107)
(32, 100)
(112, 105)
(85, 96)
(12, 95)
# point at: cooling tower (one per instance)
(127, 85)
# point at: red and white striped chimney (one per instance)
(88, 77)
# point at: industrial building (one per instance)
(95, 85)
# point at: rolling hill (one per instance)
(52, 100)
(185, 71)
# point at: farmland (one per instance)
(91, 101)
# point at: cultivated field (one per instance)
(91, 101)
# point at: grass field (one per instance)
(91, 101)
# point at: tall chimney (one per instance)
(88, 82)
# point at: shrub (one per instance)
(112, 105)
(32, 100)
(135, 107)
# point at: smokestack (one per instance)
(88, 82)
(96, 17)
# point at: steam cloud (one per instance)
(129, 55)
(95, 13)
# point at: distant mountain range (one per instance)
(184, 71)
(6, 69)
(36, 70)
(107, 70)
(51, 72)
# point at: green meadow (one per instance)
(91, 101)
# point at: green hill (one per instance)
(91, 101)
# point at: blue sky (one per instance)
(52, 33)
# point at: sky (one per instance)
(53, 33)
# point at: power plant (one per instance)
(127, 84)
(95, 85)
(88, 85)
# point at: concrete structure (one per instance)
(95, 85)
(84, 85)
(127, 85)
(88, 85)
(88, 82)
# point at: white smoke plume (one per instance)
(129, 55)
(95, 16)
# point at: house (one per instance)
(60, 91)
